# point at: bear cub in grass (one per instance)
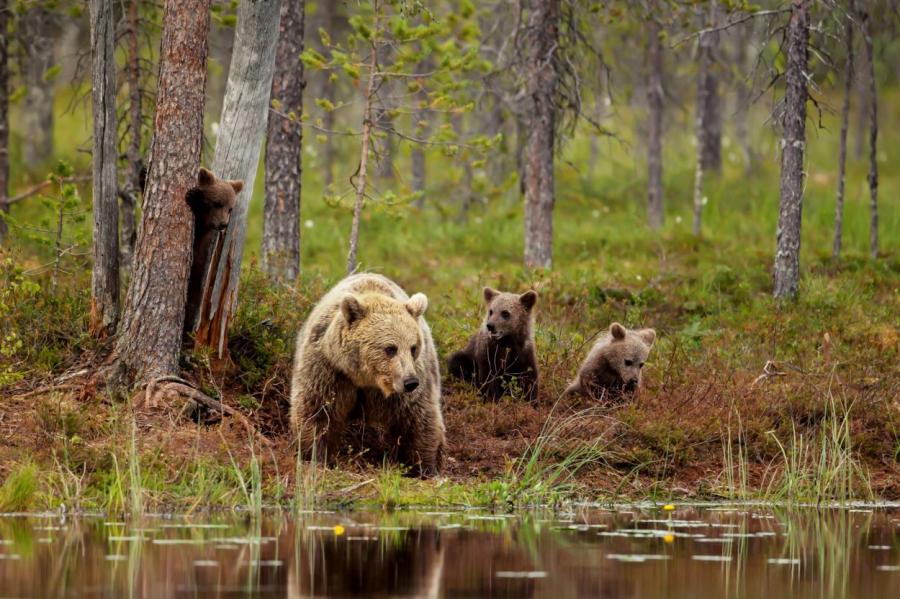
(500, 357)
(613, 366)
(211, 202)
(366, 351)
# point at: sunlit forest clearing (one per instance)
(744, 395)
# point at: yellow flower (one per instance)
(338, 530)
(669, 538)
(668, 507)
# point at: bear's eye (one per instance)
(414, 350)
(391, 351)
(629, 362)
(505, 314)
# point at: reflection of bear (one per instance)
(614, 364)
(366, 346)
(500, 357)
(211, 202)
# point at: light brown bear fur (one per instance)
(614, 364)
(364, 344)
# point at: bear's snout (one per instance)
(410, 384)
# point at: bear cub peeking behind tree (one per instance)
(365, 352)
(500, 358)
(211, 202)
(613, 366)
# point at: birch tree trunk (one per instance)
(105, 210)
(655, 213)
(4, 116)
(150, 335)
(37, 121)
(241, 131)
(704, 56)
(539, 160)
(866, 20)
(711, 152)
(284, 141)
(793, 145)
(842, 155)
(135, 126)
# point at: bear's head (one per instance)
(626, 353)
(508, 317)
(381, 341)
(213, 200)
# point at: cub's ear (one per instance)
(648, 335)
(528, 299)
(237, 186)
(194, 198)
(417, 305)
(617, 331)
(490, 294)
(205, 177)
(352, 309)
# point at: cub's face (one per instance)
(213, 200)
(627, 354)
(386, 338)
(508, 314)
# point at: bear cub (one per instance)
(366, 353)
(613, 366)
(211, 201)
(500, 358)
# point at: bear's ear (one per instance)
(237, 186)
(352, 309)
(528, 299)
(648, 335)
(194, 199)
(417, 305)
(205, 177)
(617, 331)
(490, 294)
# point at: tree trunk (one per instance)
(105, 272)
(862, 89)
(221, 47)
(793, 144)
(417, 152)
(539, 161)
(842, 156)
(865, 18)
(743, 93)
(150, 335)
(132, 187)
(363, 162)
(241, 131)
(37, 121)
(704, 56)
(655, 214)
(4, 116)
(328, 91)
(281, 228)
(711, 152)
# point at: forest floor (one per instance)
(744, 397)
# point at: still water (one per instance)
(625, 551)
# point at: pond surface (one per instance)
(625, 551)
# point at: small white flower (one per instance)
(639, 277)
(595, 214)
(309, 224)
(726, 141)
(704, 201)
(677, 220)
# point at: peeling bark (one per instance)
(793, 145)
(284, 140)
(132, 188)
(105, 271)
(150, 335)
